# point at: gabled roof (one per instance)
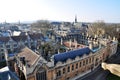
(70, 55)
(29, 55)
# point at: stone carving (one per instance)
(113, 68)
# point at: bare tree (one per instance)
(42, 25)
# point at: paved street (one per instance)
(99, 73)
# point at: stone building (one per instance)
(66, 65)
(12, 43)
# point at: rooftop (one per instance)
(30, 56)
(70, 55)
(6, 74)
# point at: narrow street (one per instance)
(99, 73)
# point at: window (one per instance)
(41, 75)
(68, 70)
(86, 61)
(72, 67)
(8, 46)
(83, 62)
(9, 51)
(76, 65)
(68, 78)
(3, 57)
(15, 45)
(2, 50)
(1, 45)
(64, 70)
(80, 64)
(90, 60)
(58, 73)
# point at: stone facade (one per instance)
(70, 68)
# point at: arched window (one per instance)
(80, 64)
(73, 67)
(68, 69)
(83, 62)
(86, 61)
(64, 70)
(76, 65)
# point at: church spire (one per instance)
(75, 18)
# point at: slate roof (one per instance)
(29, 55)
(6, 74)
(33, 36)
(71, 54)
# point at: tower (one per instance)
(75, 19)
(19, 22)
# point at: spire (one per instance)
(75, 18)
(19, 22)
(5, 22)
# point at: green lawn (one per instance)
(113, 77)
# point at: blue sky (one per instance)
(60, 10)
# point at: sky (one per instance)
(60, 10)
